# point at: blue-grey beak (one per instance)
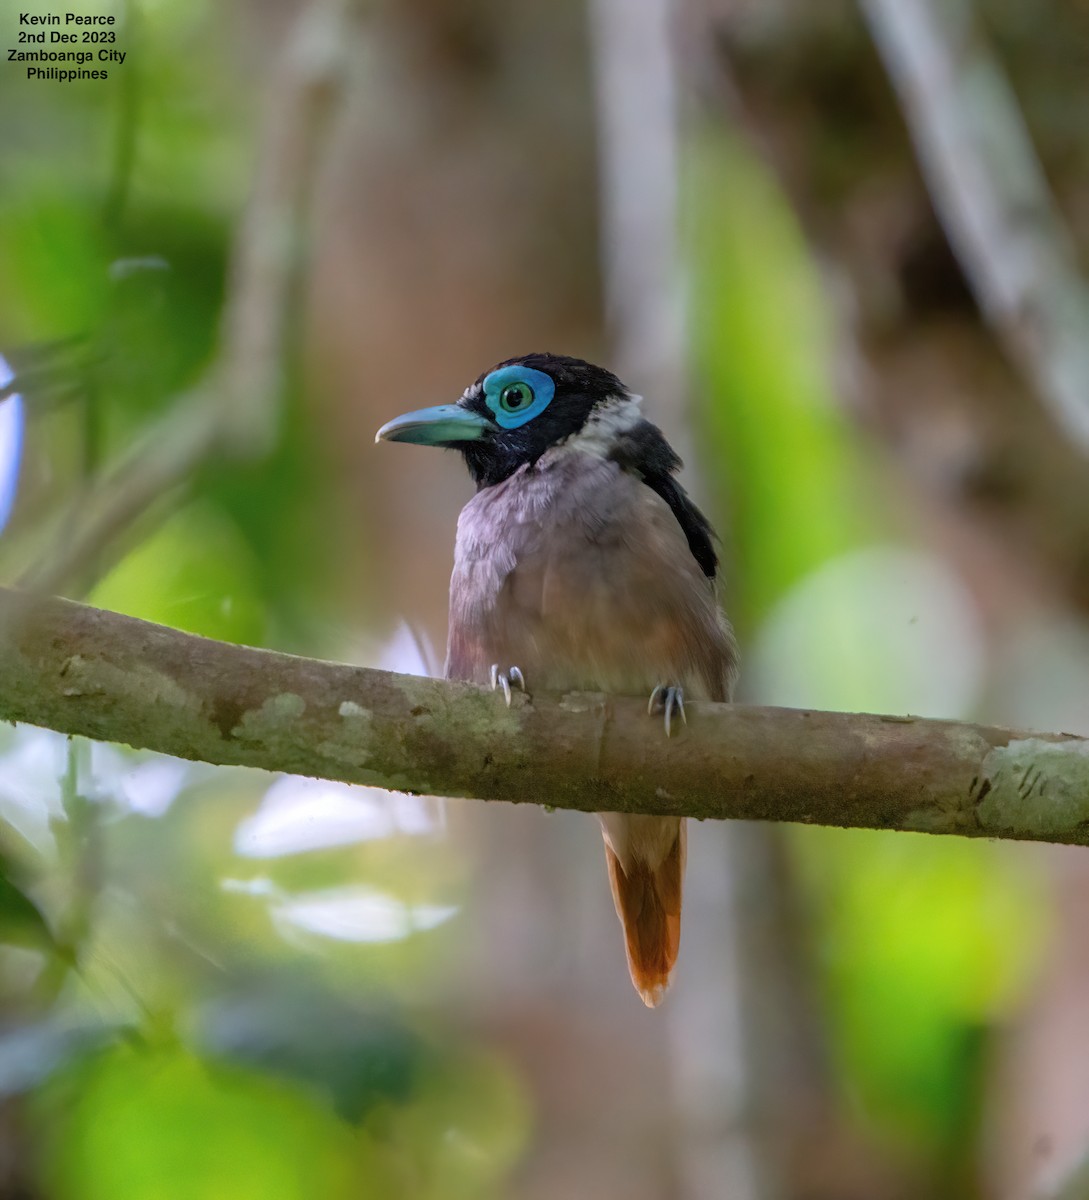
(435, 426)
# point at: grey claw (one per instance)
(671, 701)
(503, 679)
(674, 703)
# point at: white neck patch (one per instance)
(604, 426)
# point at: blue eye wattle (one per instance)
(517, 394)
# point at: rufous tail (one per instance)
(648, 903)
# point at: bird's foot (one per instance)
(505, 679)
(669, 701)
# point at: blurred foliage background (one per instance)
(216, 983)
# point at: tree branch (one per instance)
(101, 675)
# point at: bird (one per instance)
(581, 564)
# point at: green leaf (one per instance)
(143, 1123)
(21, 920)
(763, 342)
(194, 573)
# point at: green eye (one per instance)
(515, 397)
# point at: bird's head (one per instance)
(519, 409)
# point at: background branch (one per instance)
(235, 409)
(1075, 1186)
(84, 671)
(991, 194)
(746, 1045)
(718, 1051)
